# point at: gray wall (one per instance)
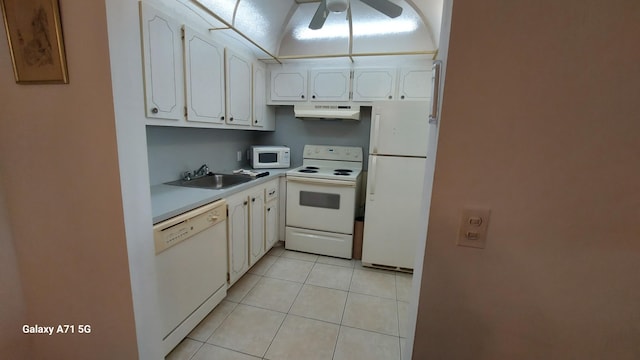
(296, 133)
(174, 150)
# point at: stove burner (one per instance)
(342, 173)
(343, 170)
(307, 171)
(312, 167)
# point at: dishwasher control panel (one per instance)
(180, 228)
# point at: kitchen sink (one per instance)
(213, 181)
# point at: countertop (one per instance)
(168, 201)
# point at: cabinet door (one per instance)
(238, 89)
(259, 95)
(374, 84)
(415, 84)
(204, 70)
(271, 223)
(163, 72)
(288, 85)
(238, 236)
(330, 84)
(256, 227)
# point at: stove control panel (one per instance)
(341, 153)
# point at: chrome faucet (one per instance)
(202, 171)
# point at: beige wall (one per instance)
(541, 124)
(59, 167)
(13, 345)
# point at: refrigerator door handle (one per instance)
(372, 186)
(376, 133)
(435, 110)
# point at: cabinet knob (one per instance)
(302, 96)
(245, 203)
(255, 121)
(313, 97)
(390, 97)
(231, 118)
(402, 97)
(253, 199)
(268, 209)
(221, 117)
(154, 110)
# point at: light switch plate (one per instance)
(474, 223)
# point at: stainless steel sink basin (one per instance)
(213, 181)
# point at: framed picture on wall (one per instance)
(34, 34)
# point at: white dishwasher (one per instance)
(191, 264)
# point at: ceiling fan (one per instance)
(384, 6)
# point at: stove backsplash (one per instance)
(297, 133)
(173, 150)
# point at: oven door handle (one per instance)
(321, 182)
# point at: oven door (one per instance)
(321, 204)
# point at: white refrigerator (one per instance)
(396, 171)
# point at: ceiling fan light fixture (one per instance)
(337, 6)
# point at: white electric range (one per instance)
(322, 198)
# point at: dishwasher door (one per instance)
(191, 265)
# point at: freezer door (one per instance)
(400, 128)
(393, 207)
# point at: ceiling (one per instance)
(279, 28)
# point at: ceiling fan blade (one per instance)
(320, 16)
(384, 6)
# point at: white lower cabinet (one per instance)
(252, 226)
(272, 214)
(256, 227)
(238, 236)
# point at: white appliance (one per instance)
(397, 161)
(327, 111)
(191, 263)
(270, 157)
(322, 197)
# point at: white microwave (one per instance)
(270, 157)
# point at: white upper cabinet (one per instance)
(330, 84)
(204, 70)
(374, 84)
(259, 107)
(288, 85)
(163, 75)
(415, 83)
(238, 89)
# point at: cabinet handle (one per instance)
(221, 117)
(253, 199)
(402, 97)
(231, 118)
(245, 203)
(154, 110)
(390, 97)
(302, 96)
(313, 97)
(255, 121)
(268, 209)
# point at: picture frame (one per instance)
(34, 34)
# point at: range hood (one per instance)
(327, 111)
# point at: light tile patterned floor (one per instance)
(293, 305)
